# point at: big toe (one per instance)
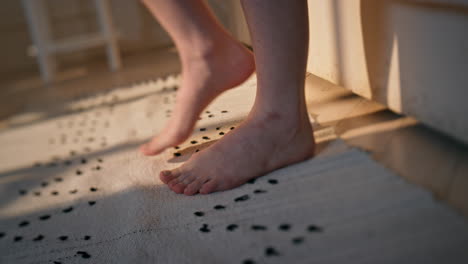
(156, 146)
(167, 176)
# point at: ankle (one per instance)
(209, 49)
(280, 120)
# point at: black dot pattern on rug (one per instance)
(91, 203)
(204, 228)
(73, 191)
(58, 179)
(23, 223)
(23, 192)
(205, 138)
(55, 193)
(272, 181)
(221, 133)
(87, 237)
(259, 191)
(202, 129)
(37, 193)
(248, 261)
(219, 207)
(218, 128)
(284, 227)
(78, 172)
(242, 198)
(57, 262)
(177, 154)
(63, 238)
(232, 128)
(83, 254)
(44, 184)
(232, 227)
(297, 240)
(314, 228)
(84, 161)
(93, 189)
(258, 228)
(2, 234)
(44, 217)
(193, 142)
(271, 252)
(68, 210)
(199, 213)
(251, 181)
(17, 238)
(38, 238)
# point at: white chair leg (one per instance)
(39, 28)
(107, 29)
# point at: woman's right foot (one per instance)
(205, 75)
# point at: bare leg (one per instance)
(212, 62)
(277, 132)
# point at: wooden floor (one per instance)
(417, 153)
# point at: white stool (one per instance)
(39, 28)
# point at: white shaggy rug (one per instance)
(73, 189)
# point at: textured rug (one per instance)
(73, 189)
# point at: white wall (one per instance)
(409, 55)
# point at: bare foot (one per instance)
(263, 143)
(205, 75)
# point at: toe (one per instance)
(168, 138)
(167, 176)
(154, 147)
(178, 188)
(179, 183)
(208, 187)
(194, 187)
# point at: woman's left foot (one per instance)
(261, 144)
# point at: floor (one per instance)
(414, 151)
(96, 125)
